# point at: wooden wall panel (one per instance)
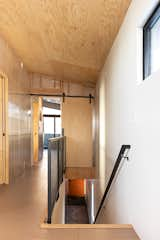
(1, 132)
(37, 133)
(4, 160)
(77, 124)
(35, 112)
(43, 84)
(19, 107)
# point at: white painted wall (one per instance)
(129, 113)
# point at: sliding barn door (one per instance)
(3, 134)
(77, 124)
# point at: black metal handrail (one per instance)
(56, 169)
(122, 154)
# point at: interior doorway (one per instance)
(51, 119)
(4, 166)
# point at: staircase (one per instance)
(88, 231)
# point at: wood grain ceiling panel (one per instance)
(68, 39)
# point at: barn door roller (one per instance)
(63, 95)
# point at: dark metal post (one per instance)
(63, 95)
(54, 119)
(55, 171)
(49, 185)
(90, 98)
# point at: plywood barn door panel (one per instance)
(77, 124)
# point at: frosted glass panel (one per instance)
(58, 126)
(51, 111)
(155, 47)
(49, 125)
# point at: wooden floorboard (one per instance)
(80, 172)
(96, 231)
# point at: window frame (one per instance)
(147, 41)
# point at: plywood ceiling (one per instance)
(67, 39)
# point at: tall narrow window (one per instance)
(151, 44)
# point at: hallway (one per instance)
(22, 206)
(80, 79)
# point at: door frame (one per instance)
(35, 148)
(33, 101)
(5, 129)
(32, 127)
